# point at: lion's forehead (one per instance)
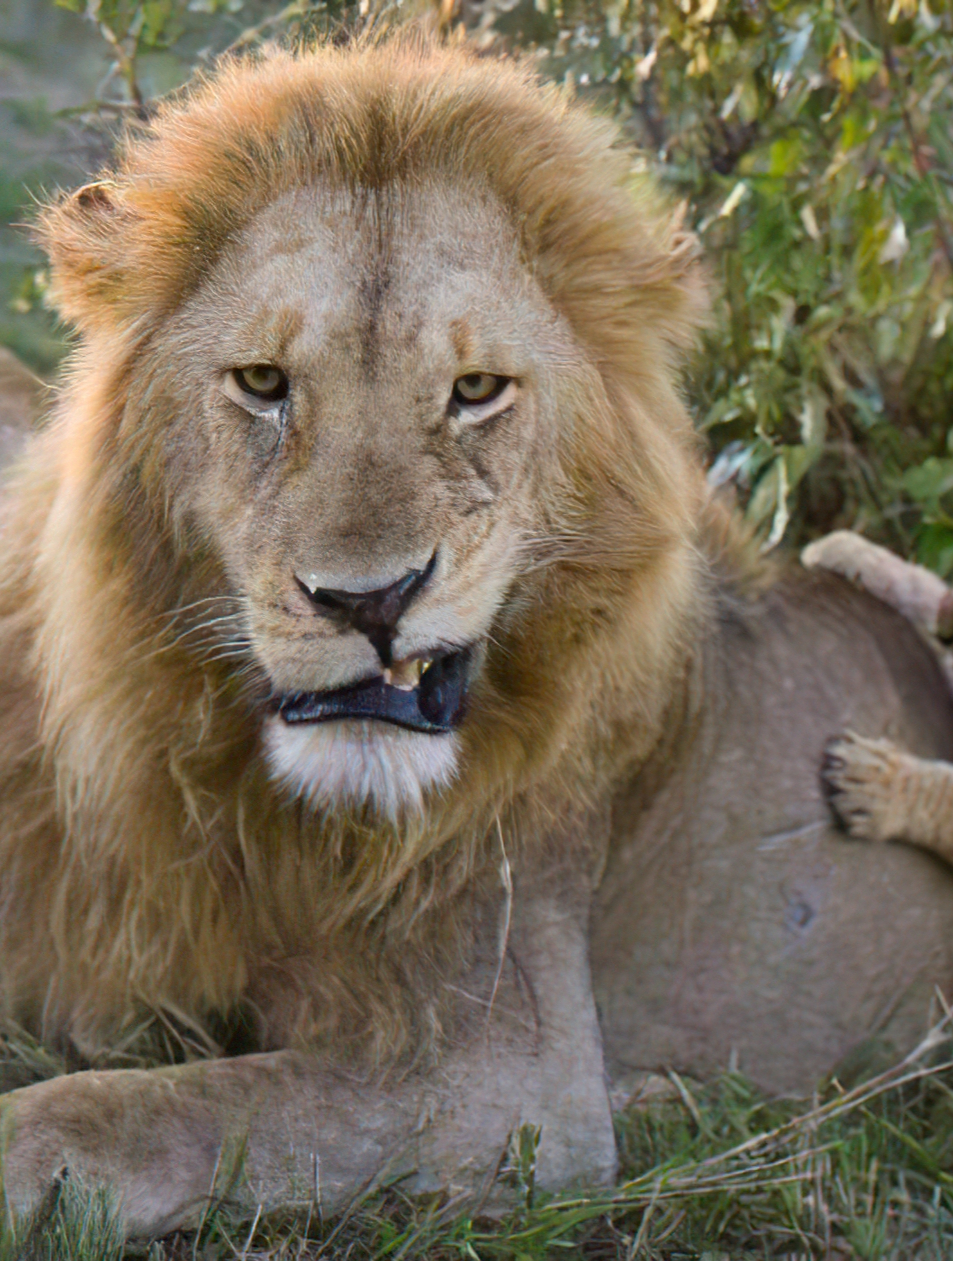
(433, 271)
(461, 225)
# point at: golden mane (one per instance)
(148, 862)
(368, 116)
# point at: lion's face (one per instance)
(365, 416)
(378, 346)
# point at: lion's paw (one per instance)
(108, 1135)
(863, 780)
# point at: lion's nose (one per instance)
(373, 613)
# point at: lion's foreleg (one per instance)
(280, 1129)
(167, 1143)
(878, 791)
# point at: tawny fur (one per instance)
(149, 861)
(881, 793)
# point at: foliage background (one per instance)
(809, 142)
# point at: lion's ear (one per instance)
(84, 233)
(99, 197)
(689, 281)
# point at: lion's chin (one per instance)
(350, 762)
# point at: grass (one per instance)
(709, 1172)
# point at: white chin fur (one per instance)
(350, 762)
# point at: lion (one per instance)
(20, 399)
(387, 713)
(879, 791)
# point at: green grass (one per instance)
(709, 1172)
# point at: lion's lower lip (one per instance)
(435, 706)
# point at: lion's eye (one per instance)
(262, 381)
(478, 387)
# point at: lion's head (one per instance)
(381, 344)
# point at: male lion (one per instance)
(375, 697)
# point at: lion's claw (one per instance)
(861, 780)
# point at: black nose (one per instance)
(373, 613)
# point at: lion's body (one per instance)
(20, 394)
(178, 844)
(735, 923)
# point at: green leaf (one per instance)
(935, 548)
(929, 482)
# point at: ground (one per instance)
(710, 1173)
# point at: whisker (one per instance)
(202, 632)
(197, 604)
(200, 628)
(232, 653)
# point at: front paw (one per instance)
(863, 782)
(107, 1135)
(35, 1154)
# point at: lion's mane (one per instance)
(148, 863)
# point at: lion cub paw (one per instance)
(865, 782)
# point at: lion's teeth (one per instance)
(405, 675)
(411, 676)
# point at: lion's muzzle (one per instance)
(373, 613)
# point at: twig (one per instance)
(766, 1169)
(251, 1235)
(297, 8)
(506, 876)
(209, 1201)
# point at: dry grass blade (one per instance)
(756, 1165)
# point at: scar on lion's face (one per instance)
(379, 436)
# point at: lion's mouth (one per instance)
(426, 694)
